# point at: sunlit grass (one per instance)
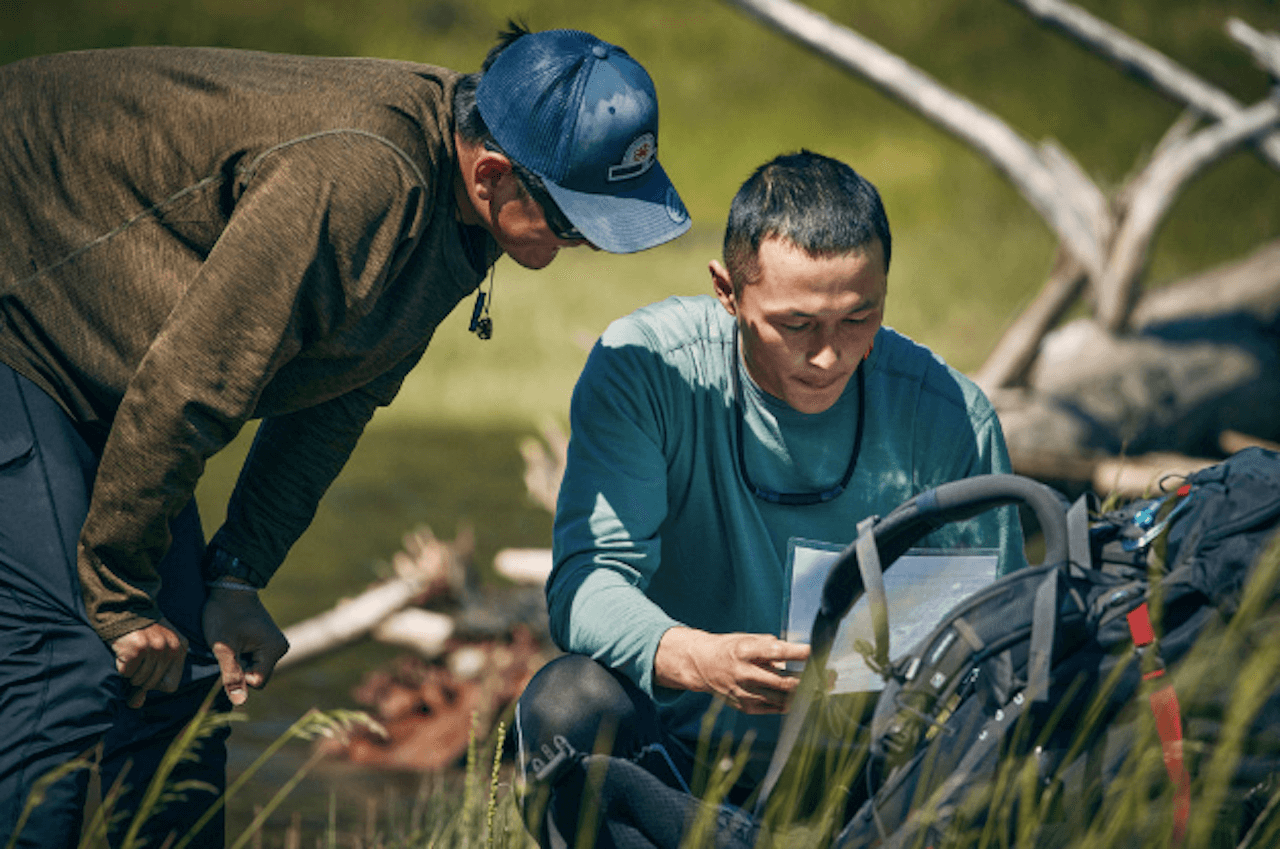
(1239, 656)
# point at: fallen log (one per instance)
(1233, 441)
(424, 632)
(1172, 388)
(528, 566)
(1246, 286)
(426, 567)
(1127, 477)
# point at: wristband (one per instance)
(219, 563)
(229, 584)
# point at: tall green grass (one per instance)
(1021, 808)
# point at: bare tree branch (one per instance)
(348, 621)
(1153, 193)
(1147, 64)
(1265, 47)
(544, 465)
(1016, 350)
(424, 564)
(1084, 192)
(1009, 152)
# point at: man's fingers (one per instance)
(257, 671)
(791, 651)
(771, 650)
(757, 703)
(264, 663)
(150, 658)
(233, 675)
(767, 650)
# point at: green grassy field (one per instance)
(968, 251)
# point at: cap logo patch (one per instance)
(638, 159)
(675, 209)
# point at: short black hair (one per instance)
(466, 113)
(816, 203)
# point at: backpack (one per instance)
(1038, 703)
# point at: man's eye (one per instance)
(794, 328)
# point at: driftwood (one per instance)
(544, 465)
(470, 654)
(429, 605)
(425, 568)
(1152, 66)
(1129, 477)
(1250, 286)
(1162, 374)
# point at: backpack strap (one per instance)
(792, 725)
(1168, 716)
(1044, 633)
(1079, 551)
(873, 583)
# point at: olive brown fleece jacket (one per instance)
(193, 238)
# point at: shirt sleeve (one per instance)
(612, 503)
(954, 444)
(293, 461)
(309, 243)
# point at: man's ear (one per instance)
(489, 169)
(722, 284)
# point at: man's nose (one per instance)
(825, 355)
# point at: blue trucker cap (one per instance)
(583, 115)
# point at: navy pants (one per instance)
(60, 696)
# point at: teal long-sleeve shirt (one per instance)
(655, 528)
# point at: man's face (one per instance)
(806, 323)
(490, 195)
(520, 229)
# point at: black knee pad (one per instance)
(575, 706)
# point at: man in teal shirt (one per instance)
(709, 437)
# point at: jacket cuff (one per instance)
(220, 563)
(116, 626)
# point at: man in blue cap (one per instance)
(199, 237)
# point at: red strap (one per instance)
(1140, 626)
(1168, 716)
(1164, 705)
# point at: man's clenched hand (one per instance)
(151, 658)
(244, 639)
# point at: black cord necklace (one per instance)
(794, 498)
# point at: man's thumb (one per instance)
(232, 673)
